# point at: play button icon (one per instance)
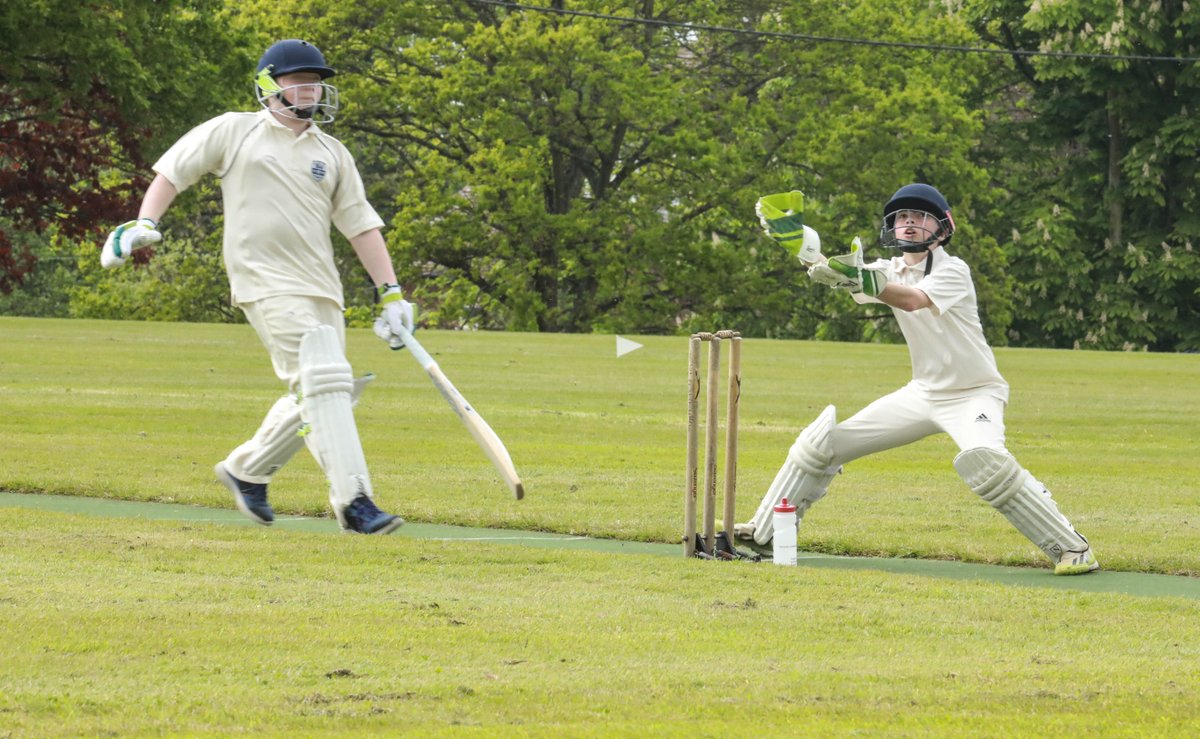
(624, 346)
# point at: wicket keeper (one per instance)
(956, 387)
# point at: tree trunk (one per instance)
(1113, 186)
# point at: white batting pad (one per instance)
(325, 406)
(804, 477)
(277, 439)
(998, 478)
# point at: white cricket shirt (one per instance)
(945, 342)
(281, 193)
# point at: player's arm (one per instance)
(904, 297)
(199, 152)
(372, 252)
(158, 198)
(394, 311)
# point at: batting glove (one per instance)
(395, 313)
(125, 239)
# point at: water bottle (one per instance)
(783, 539)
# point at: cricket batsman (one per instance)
(956, 387)
(284, 183)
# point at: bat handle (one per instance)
(415, 348)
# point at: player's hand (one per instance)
(125, 239)
(874, 279)
(849, 272)
(866, 280)
(823, 274)
(843, 271)
(849, 268)
(395, 313)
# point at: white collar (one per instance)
(312, 128)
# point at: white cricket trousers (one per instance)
(281, 322)
(972, 419)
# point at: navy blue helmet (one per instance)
(293, 56)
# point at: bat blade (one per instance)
(487, 439)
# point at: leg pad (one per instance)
(1008, 487)
(803, 479)
(326, 384)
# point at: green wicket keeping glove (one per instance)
(782, 218)
(858, 278)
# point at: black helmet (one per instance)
(921, 197)
(294, 55)
(289, 57)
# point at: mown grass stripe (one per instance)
(1129, 583)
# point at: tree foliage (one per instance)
(1102, 173)
(575, 174)
(87, 91)
(552, 172)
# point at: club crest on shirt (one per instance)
(318, 170)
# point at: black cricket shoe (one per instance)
(251, 497)
(364, 517)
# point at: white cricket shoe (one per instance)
(1076, 563)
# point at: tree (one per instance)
(1103, 173)
(86, 91)
(850, 124)
(574, 174)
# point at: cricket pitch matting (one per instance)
(1129, 583)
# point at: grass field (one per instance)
(142, 627)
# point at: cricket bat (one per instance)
(487, 439)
